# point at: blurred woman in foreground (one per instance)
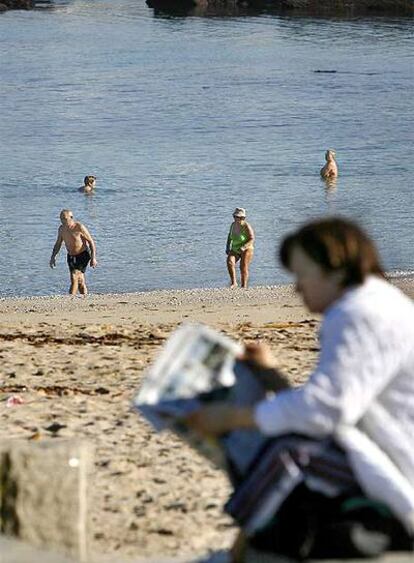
(337, 479)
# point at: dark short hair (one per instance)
(335, 244)
(88, 179)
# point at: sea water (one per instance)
(184, 118)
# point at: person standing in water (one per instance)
(89, 185)
(240, 246)
(330, 170)
(81, 250)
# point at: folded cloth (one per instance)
(301, 500)
(216, 557)
(279, 468)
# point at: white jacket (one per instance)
(361, 392)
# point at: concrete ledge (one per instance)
(43, 495)
(14, 551)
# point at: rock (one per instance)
(353, 5)
(43, 499)
(305, 7)
(55, 427)
(16, 5)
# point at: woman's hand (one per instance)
(219, 418)
(261, 361)
(259, 354)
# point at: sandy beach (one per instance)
(78, 362)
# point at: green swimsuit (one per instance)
(237, 241)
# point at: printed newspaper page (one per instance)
(198, 365)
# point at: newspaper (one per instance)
(198, 365)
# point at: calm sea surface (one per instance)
(184, 118)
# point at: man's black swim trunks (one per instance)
(79, 261)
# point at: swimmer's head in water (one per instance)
(66, 216)
(330, 154)
(89, 180)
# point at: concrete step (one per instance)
(14, 551)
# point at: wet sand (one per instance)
(77, 363)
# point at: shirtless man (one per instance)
(330, 170)
(81, 250)
(89, 185)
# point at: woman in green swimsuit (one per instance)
(240, 246)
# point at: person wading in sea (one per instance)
(330, 170)
(240, 246)
(89, 185)
(81, 250)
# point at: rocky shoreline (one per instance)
(309, 7)
(16, 5)
(396, 6)
(314, 8)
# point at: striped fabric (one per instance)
(283, 464)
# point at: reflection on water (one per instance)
(51, 4)
(184, 119)
(330, 185)
(165, 9)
